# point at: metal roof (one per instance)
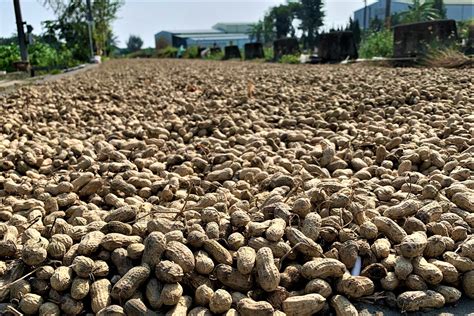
(446, 2)
(190, 32)
(219, 37)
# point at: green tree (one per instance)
(256, 32)
(311, 14)
(71, 25)
(438, 5)
(419, 11)
(354, 27)
(282, 17)
(134, 43)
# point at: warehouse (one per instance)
(459, 10)
(221, 35)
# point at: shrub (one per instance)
(8, 55)
(268, 51)
(377, 44)
(290, 59)
(191, 52)
(167, 52)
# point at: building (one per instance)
(221, 35)
(459, 10)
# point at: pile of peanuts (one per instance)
(182, 187)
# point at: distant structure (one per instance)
(221, 35)
(459, 10)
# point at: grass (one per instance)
(446, 58)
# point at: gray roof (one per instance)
(220, 37)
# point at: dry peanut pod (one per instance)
(79, 288)
(255, 229)
(450, 273)
(343, 306)
(268, 276)
(429, 272)
(220, 302)
(304, 305)
(200, 311)
(70, 306)
(291, 276)
(61, 279)
(218, 252)
(450, 294)
(389, 228)
(368, 230)
(404, 209)
(100, 294)
(403, 267)
(30, 303)
(435, 247)
(390, 282)
(416, 283)
(171, 293)
(204, 263)
(153, 292)
(111, 310)
(83, 266)
(233, 279)
(411, 301)
(168, 272)
(468, 284)
(136, 307)
(279, 248)
(430, 212)
(90, 243)
(348, 253)
(249, 307)
(311, 225)
(355, 286)
(306, 245)
(381, 248)
(318, 286)
(276, 230)
(49, 309)
(464, 200)
(18, 289)
(33, 255)
(323, 268)
(203, 295)
(181, 255)
(114, 240)
(135, 251)
(462, 264)
(130, 282)
(413, 245)
(123, 214)
(181, 307)
(245, 258)
(155, 245)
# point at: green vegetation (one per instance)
(167, 52)
(420, 11)
(191, 52)
(290, 59)
(377, 44)
(134, 43)
(40, 55)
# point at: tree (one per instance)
(71, 25)
(311, 14)
(354, 27)
(256, 32)
(438, 5)
(282, 17)
(134, 43)
(419, 11)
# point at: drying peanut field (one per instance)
(180, 187)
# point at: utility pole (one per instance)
(90, 22)
(21, 31)
(388, 14)
(365, 15)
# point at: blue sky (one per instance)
(147, 17)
